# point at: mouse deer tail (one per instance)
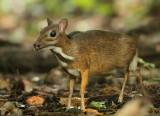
(134, 62)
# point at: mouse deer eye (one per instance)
(53, 34)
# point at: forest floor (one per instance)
(46, 94)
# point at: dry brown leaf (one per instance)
(35, 100)
(10, 109)
(76, 101)
(111, 90)
(5, 84)
(92, 110)
(28, 85)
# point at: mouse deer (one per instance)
(91, 52)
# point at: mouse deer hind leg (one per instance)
(120, 99)
(71, 85)
(84, 81)
(137, 74)
(131, 74)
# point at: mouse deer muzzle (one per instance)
(36, 46)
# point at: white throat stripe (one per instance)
(59, 51)
(63, 64)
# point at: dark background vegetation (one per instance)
(21, 21)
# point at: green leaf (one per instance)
(140, 60)
(96, 105)
(146, 64)
(154, 80)
(150, 106)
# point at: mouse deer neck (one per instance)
(61, 51)
(65, 42)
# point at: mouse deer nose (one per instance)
(36, 46)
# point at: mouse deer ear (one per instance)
(63, 25)
(49, 21)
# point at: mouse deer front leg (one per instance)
(84, 81)
(71, 85)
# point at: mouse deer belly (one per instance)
(101, 68)
(103, 64)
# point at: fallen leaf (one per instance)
(92, 111)
(5, 84)
(111, 90)
(76, 101)
(96, 105)
(10, 109)
(28, 85)
(35, 100)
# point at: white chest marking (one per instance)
(59, 51)
(63, 64)
(74, 72)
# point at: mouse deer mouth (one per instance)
(37, 46)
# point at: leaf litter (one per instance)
(25, 96)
